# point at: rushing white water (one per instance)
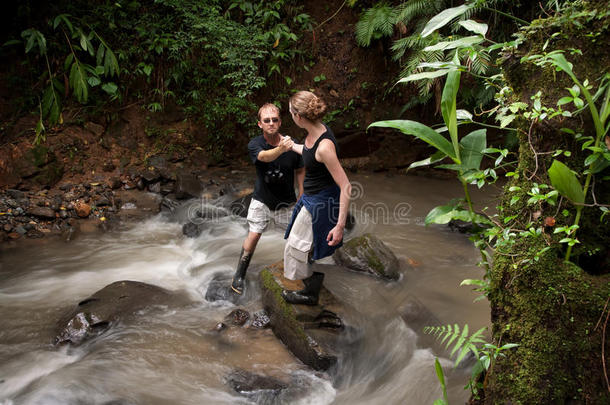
(172, 355)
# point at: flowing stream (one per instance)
(173, 355)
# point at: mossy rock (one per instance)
(312, 333)
(370, 255)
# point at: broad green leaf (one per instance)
(420, 131)
(565, 181)
(110, 88)
(458, 43)
(440, 215)
(564, 100)
(78, 81)
(448, 108)
(472, 146)
(473, 26)
(472, 281)
(561, 62)
(93, 81)
(504, 121)
(424, 75)
(443, 18)
(463, 115)
(439, 372)
(99, 57)
(436, 157)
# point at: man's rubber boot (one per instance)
(308, 295)
(239, 278)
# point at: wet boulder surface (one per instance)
(368, 254)
(117, 301)
(314, 334)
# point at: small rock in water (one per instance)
(220, 290)
(128, 206)
(259, 388)
(220, 327)
(192, 230)
(238, 317)
(260, 320)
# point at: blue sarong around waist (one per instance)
(324, 210)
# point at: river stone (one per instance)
(368, 254)
(257, 388)
(191, 230)
(112, 303)
(312, 333)
(220, 290)
(238, 317)
(42, 212)
(187, 186)
(240, 206)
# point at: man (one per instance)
(276, 168)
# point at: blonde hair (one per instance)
(308, 105)
(268, 106)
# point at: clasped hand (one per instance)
(286, 143)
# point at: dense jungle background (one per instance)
(111, 91)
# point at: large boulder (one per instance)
(368, 254)
(115, 302)
(314, 334)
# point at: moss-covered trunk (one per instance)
(554, 310)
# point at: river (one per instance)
(173, 355)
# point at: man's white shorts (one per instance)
(259, 216)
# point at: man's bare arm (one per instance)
(272, 154)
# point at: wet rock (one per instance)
(42, 212)
(151, 175)
(102, 202)
(21, 230)
(96, 129)
(169, 203)
(155, 187)
(238, 317)
(466, 227)
(368, 254)
(140, 185)
(188, 186)
(260, 320)
(220, 290)
(220, 327)
(312, 333)
(257, 388)
(191, 230)
(15, 194)
(167, 188)
(117, 301)
(114, 183)
(14, 235)
(82, 209)
(240, 206)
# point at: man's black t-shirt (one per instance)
(274, 180)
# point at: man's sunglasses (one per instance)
(268, 120)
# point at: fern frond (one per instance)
(376, 22)
(414, 9)
(463, 342)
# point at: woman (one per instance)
(319, 217)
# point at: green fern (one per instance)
(448, 334)
(375, 23)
